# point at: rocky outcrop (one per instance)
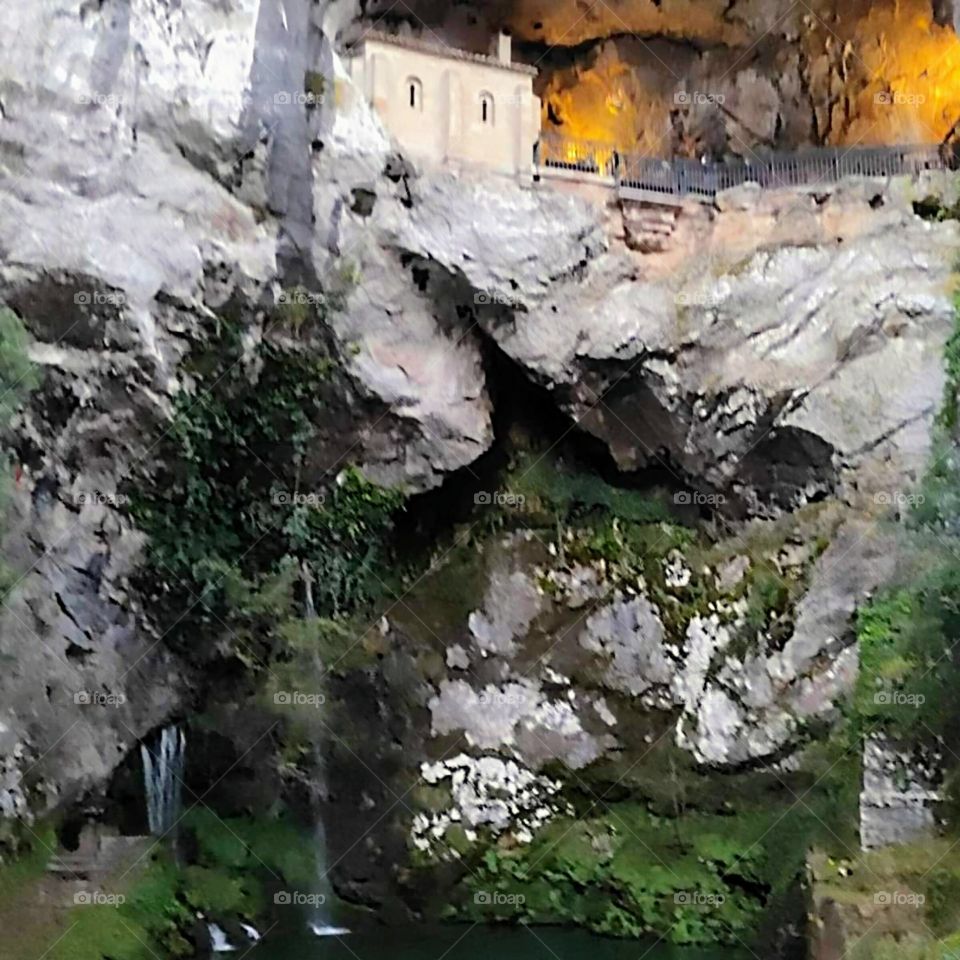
(157, 172)
(900, 795)
(726, 360)
(510, 728)
(166, 166)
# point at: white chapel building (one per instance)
(450, 106)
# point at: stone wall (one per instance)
(446, 106)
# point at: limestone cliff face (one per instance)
(160, 167)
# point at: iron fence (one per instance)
(583, 156)
(682, 177)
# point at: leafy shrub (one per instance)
(343, 542)
(273, 848)
(703, 879)
(229, 535)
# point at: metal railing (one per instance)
(583, 156)
(682, 177)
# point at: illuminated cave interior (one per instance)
(719, 78)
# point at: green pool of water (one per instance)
(473, 943)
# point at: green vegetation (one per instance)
(705, 876)
(909, 672)
(25, 855)
(344, 542)
(237, 860)
(951, 399)
(252, 546)
(658, 845)
(233, 525)
(567, 494)
(907, 690)
(146, 924)
(909, 665)
(275, 850)
(18, 377)
(899, 903)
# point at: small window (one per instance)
(414, 93)
(486, 108)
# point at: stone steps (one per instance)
(90, 863)
(649, 229)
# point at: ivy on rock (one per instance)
(244, 529)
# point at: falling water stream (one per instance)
(163, 779)
(320, 921)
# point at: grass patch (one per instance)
(276, 849)
(901, 902)
(27, 858)
(145, 925)
(550, 489)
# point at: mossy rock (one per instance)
(218, 893)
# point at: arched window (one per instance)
(414, 93)
(486, 108)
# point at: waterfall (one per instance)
(320, 918)
(163, 779)
(218, 940)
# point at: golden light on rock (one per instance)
(862, 72)
(902, 72)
